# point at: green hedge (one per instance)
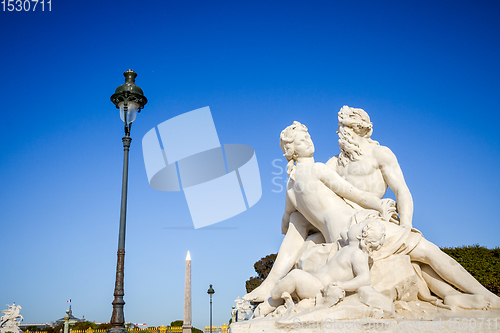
(481, 262)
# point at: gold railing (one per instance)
(217, 329)
(160, 329)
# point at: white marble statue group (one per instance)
(347, 252)
(8, 322)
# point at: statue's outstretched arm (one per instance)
(332, 163)
(346, 190)
(393, 176)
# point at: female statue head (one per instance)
(295, 142)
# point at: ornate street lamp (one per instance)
(211, 291)
(130, 99)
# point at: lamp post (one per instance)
(66, 322)
(211, 291)
(130, 99)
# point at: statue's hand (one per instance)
(333, 293)
(388, 209)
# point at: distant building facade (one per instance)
(53, 323)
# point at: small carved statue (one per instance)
(8, 322)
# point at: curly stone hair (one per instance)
(287, 137)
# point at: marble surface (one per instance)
(348, 252)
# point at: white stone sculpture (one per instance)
(322, 199)
(9, 322)
(243, 310)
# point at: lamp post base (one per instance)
(117, 330)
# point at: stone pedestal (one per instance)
(447, 322)
(13, 329)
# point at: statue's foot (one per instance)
(467, 301)
(266, 307)
(259, 294)
(494, 301)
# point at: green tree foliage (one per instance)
(84, 325)
(56, 329)
(262, 268)
(482, 263)
(181, 322)
(252, 283)
(177, 323)
(105, 326)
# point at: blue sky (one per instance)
(426, 72)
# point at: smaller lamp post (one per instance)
(211, 291)
(66, 322)
(233, 314)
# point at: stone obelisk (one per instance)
(186, 326)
